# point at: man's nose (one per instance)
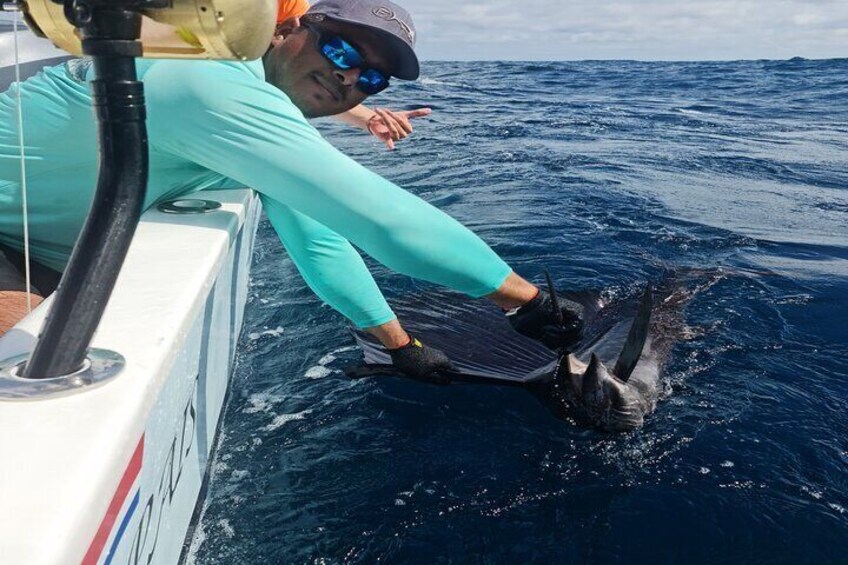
(347, 77)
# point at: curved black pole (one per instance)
(110, 35)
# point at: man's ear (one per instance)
(285, 28)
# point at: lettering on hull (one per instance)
(158, 503)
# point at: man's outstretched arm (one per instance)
(386, 125)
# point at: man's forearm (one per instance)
(357, 117)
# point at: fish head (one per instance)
(594, 396)
(608, 402)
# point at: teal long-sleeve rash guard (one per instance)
(216, 125)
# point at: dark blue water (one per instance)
(606, 173)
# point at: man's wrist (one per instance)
(391, 334)
(371, 122)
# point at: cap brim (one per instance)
(406, 61)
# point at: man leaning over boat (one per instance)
(386, 125)
(214, 124)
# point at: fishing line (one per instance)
(23, 161)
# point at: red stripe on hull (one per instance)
(102, 535)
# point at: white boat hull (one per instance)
(112, 474)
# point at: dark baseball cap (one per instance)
(388, 20)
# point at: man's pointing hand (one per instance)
(389, 126)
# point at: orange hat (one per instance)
(291, 9)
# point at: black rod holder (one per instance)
(110, 32)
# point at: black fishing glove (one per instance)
(537, 320)
(417, 361)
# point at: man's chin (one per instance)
(311, 109)
(314, 107)
(310, 113)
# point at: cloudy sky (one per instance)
(630, 29)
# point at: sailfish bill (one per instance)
(636, 338)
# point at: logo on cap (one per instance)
(388, 15)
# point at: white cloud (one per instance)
(639, 29)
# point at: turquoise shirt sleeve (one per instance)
(225, 117)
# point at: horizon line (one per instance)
(610, 60)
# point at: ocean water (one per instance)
(606, 173)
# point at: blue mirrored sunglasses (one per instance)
(345, 56)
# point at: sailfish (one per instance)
(611, 379)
